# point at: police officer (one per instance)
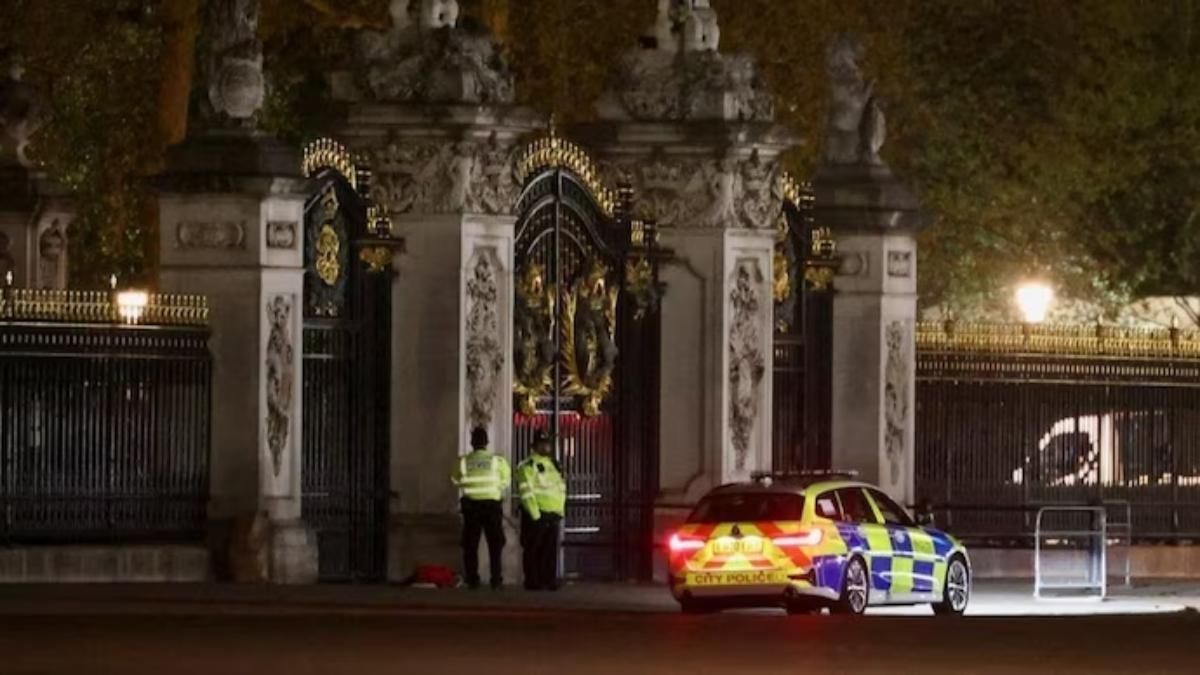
(482, 476)
(543, 499)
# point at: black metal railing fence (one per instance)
(1012, 418)
(104, 417)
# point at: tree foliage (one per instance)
(97, 65)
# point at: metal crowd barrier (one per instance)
(1094, 540)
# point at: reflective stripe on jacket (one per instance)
(542, 487)
(481, 475)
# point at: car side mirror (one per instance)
(924, 514)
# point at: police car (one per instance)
(812, 541)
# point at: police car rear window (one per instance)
(748, 508)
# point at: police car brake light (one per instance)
(809, 538)
(679, 544)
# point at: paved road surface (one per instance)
(297, 640)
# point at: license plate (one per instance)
(739, 578)
(729, 546)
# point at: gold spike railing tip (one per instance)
(99, 307)
(1057, 339)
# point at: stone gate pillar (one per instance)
(231, 209)
(35, 212)
(441, 137)
(875, 219)
(692, 131)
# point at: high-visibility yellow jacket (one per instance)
(481, 475)
(542, 487)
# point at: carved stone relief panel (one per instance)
(281, 376)
(895, 396)
(710, 193)
(747, 362)
(281, 234)
(462, 177)
(211, 234)
(484, 341)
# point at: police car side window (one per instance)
(827, 506)
(893, 513)
(855, 507)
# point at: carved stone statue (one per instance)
(21, 113)
(51, 247)
(236, 86)
(437, 14)
(856, 128)
(680, 74)
(433, 61)
(701, 32)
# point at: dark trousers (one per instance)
(486, 518)
(539, 554)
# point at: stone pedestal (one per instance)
(35, 218)
(450, 190)
(217, 202)
(874, 218)
(712, 187)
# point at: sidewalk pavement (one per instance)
(991, 598)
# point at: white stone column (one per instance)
(714, 190)
(874, 219)
(452, 337)
(451, 190)
(214, 242)
(874, 315)
(717, 327)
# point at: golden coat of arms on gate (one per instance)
(534, 337)
(589, 350)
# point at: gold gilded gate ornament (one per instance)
(534, 337)
(328, 247)
(589, 349)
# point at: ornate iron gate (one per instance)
(804, 265)
(586, 354)
(347, 365)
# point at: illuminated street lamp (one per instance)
(1033, 299)
(131, 305)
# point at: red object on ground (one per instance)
(438, 575)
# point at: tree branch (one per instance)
(1186, 306)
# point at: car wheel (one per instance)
(956, 590)
(855, 588)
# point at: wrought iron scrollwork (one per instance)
(326, 255)
(805, 256)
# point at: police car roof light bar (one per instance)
(760, 476)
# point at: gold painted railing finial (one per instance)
(326, 152)
(551, 152)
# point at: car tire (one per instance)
(856, 588)
(956, 589)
